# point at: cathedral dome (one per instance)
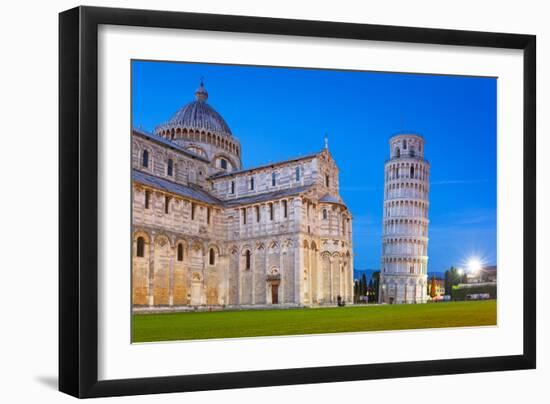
(197, 115)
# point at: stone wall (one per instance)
(239, 254)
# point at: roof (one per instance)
(406, 133)
(175, 188)
(327, 198)
(246, 200)
(489, 268)
(197, 193)
(278, 163)
(166, 142)
(198, 115)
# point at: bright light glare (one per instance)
(474, 265)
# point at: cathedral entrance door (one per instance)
(195, 294)
(196, 290)
(275, 293)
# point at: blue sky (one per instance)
(279, 113)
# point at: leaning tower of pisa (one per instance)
(404, 266)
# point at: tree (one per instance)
(370, 291)
(363, 284)
(376, 284)
(356, 291)
(453, 277)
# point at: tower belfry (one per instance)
(404, 264)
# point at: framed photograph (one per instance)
(251, 201)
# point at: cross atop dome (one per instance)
(201, 94)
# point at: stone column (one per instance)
(331, 261)
(310, 274)
(350, 277)
(267, 271)
(282, 272)
(171, 280)
(298, 270)
(239, 286)
(150, 287)
(253, 275)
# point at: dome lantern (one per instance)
(201, 94)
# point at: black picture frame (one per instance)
(78, 201)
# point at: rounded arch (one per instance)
(193, 148)
(196, 245)
(180, 250)
(162, 239)
(247, 257)
(213, 253)
(141, 242)
(225, 156)
(216, 248)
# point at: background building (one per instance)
(207, 232)
(487, 274)
(438, 285)
(404, 265)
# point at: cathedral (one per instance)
(208, 233)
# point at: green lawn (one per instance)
(231, 324)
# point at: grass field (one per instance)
(232, 324)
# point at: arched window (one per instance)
(273, 179)
(223, 164)
(147, 199)
(297, 173)
(232, 187)
(412, 172)
(170, 167)
(145, 159)
(412, 270)
(166, 204)
(327, 180)
(325, 214)
(404, 144)
(180, 252)
(252, 183)
(140, 250)
(397, 152)
(247, 259)
(285, 208)
(212, 257)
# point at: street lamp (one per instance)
(474, 265)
